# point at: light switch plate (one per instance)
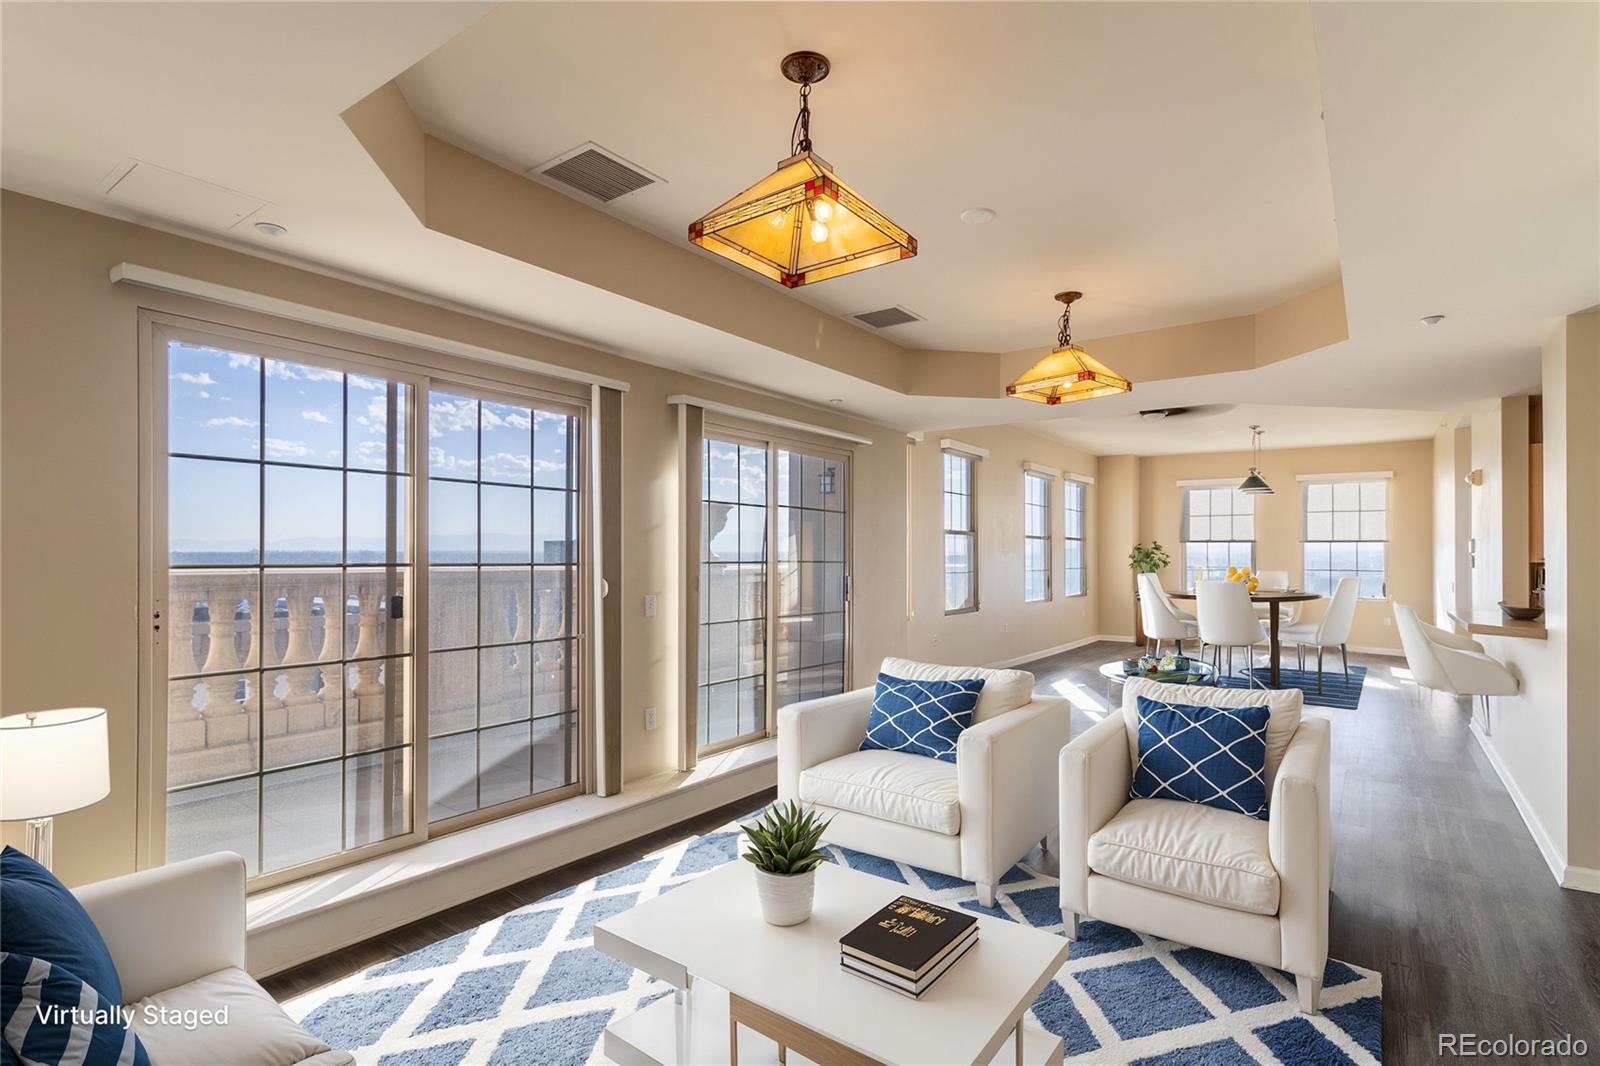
(649, 718)
(649, 605)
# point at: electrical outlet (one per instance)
(649, 718)
(650, 605)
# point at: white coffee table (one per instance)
(707, 938)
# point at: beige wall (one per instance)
(1278, 518)
(1546, 739)
(1004, 628)
(1118, 528)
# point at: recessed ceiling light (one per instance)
(270, 229)
(977, 216)
(836, 403)
(1433, 320)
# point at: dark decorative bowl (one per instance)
(1521, 614)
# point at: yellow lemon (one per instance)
(1233, 573)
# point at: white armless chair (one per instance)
(1227, 621)
(1452, 663)
(1161, 620)
(1333, 630)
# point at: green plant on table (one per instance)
(1144, 560)
(784, 840)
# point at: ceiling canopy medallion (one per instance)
(1069, 373)
(801, 224)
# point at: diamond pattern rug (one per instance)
(530, 988)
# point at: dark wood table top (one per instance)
(1264, 596)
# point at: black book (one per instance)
(908, 937)
(904, 985)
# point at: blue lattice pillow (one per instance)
(921, 717)
(1211, 755)
(51, 1017)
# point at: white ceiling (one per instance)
(1166, 159)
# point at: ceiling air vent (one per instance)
(596, 173)
(888, 316)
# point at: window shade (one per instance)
(1345, 511)
(1217, 514)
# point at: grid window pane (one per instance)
(503, 626)
(1075, 573)
(960, 547)
(1218, 527)
(1346, 526)
(288, 658)
(733, 578)
(1036, 537)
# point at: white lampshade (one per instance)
(52, 762)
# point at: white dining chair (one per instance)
(1332, 630)
(1228, 621)
(1447, 661)
(1276, 581)
(1161, 620)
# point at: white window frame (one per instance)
(420, 370)
(1328, 521)
(966, 527)
(1044, 510)
(1187, 527)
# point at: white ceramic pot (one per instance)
(786, 900)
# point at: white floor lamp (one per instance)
(51, 762)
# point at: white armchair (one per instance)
(177, 936)
(973, 819)
(1196, 874)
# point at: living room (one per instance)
(668, 464)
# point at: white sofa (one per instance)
(1211, 878)
(972, 819)
(177, 936)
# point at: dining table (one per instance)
(1274, 599)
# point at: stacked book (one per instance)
(908, 945)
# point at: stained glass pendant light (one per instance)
(1254, 483)
(1069, 373)
(800, 224)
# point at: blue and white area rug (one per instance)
(1336, 691)
(530, 988)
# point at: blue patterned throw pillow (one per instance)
(921, 717)
(52, 1017)
(1211, 755)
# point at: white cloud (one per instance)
(452, 415)
(201, 378)
(300, 372)
(316, 416)
(369, 384)
(278, 448)
(238, 361)
(230, 420)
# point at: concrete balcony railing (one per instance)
(307, 693)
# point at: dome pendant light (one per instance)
(801, 224)
(1253, 483)
(1069, 373)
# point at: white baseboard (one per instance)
(1582, 878)
(1367, 649)
(1018, 660)
(1117, 638)
(1553, 856)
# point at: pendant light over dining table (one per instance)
(1068, 373)
(800, 224)
(1254, 483)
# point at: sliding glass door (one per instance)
(295, 650)
(503, 620)
(773, 584)
(288, 642)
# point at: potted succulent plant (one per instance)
(783, 849)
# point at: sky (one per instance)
(233, 405)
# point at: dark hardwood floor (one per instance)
(1437, 883)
